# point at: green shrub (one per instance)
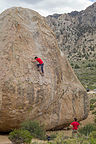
(72, 64)
(88, 65)
(93, 134)
(77, 66)
(92, 101)
(86, 130)
(53, 136)
(19, 136)
(92, 104)
(94, 112)
(35, 143)
(92, 107)
(36, 130)
(72, 141)
(95, 120)
(86, 57)
(92, 141)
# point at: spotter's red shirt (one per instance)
(75, 125)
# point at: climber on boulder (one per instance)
(41, 63)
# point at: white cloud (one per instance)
(47, 7)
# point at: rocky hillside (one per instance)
(76, 33)
(55, 98)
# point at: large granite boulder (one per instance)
(55, 98)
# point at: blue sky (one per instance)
(93, 0)
(47, 7)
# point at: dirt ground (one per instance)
(4, 139)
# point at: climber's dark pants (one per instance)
(38, 65)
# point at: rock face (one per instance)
(76, 33)
(55, 98)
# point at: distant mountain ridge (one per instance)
(76, 33)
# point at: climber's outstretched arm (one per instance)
(33, 60)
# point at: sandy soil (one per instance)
(4, 139)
